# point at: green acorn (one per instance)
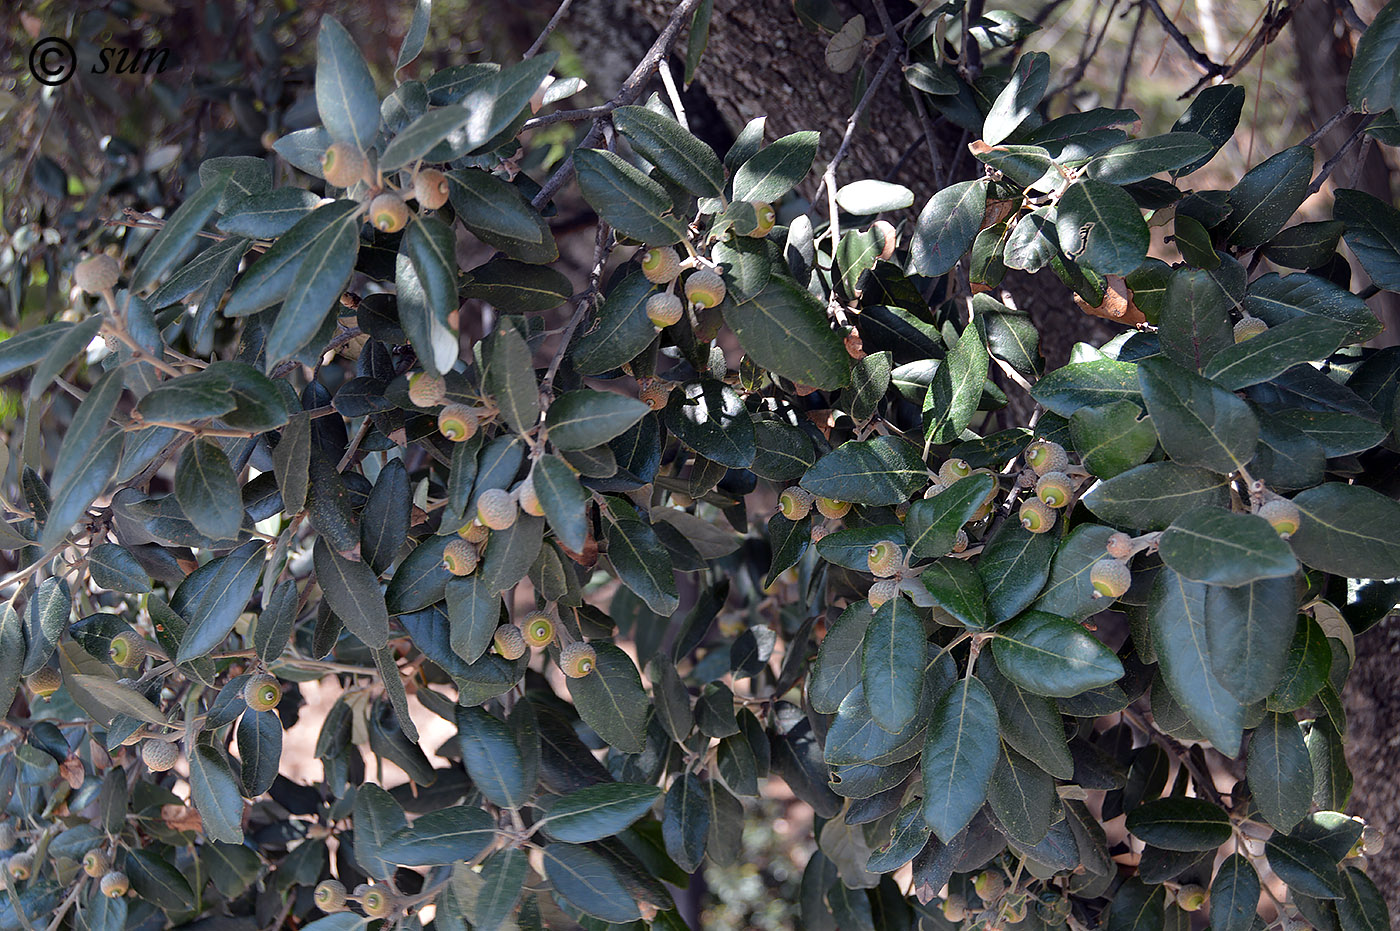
(458, 422)
(661, 265)
(538, 629)
(497, 509)
(44, 682)
(1046, 456)
(96, 862)
(1283, 515)
(577, 660)
(832, 509)
(330, 895)
(388, 213)
(430, 188)
(955, 908)
(1037, 516)
(764, 218)
(1248, 328)
(510, 642)
(159, 755)
(127, 649)
(952, 470)
(426, 389)
(795, 502)
(1054, 488)
(97, 273)
(343, 165)
(262, 692)
(1119, 545)
(884, 558)
(378, 902)
(1110, 578)
(21, 866)
(989, 885)
(1191, 897)
(881, 591)
(704, 288)
(460, 558)
(664, 309)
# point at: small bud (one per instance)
(458, 422)
(388, 213)
(45, 681)
(127, 649)
(262, 692)
(1110, 578)
(577, 660)
(704, 288)
(538, 629)
(795, 502)
(1054, 488)
(430, 188)
(1283, 515)
(832, 509)
(1248, 328)
(330, 895)
(883, 558)
(426, 389)
(664, 309)
(159, 755)
(114, 885)
(1037, 516)
(653, 391)
(96, 862)
(510, 642)
(661, 265)
(343, 165)
(1046, 456)
(497, 509)
(97, 273)
(460, 558)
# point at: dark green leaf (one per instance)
(1280, 772)
(1099, 225)
(208, 490)
(1180, 824)
(837, 668)
(1052, 656)
(1029, 723)
(1234, 895)
(784, 329)
(686, 822)
(1348, 530)
(1214, 114)
(215, 793)
(775, 169)
(503, 882)
(1277, 349)
(956, 389)
(1373, 84)
(500, 215)
(115, 569)
(885, 470)
(1177, 619)
(589, 882)
(1249, 630)
(461, 832)
(628, 200)
(1154, 494)
(1018, 100)
(179, 235)
(611, 699)
(1022, 796)
(710, 418)
(600, 811)
(87, 482)
(1304, 866)
(1195, 314)
(1140, 159)
(259, 750)
(620, 329)
(517, 287)
(270, 278)
(1087, 384)
(932, 524)
(492, 758)
(642, 563)
(1373, 233)
(1362, 906)
(1198, 422)
(955, 586)
(214, 596)
(345, 94)
(1014, 566)
(946, 228)
(959, 758)
(1306, 245)
(585, 418)
(384, 526)
(1265, 198)
(353, 593)
(1223, 548)
(321, 275)
(892, 664)
(156, 880)
(672, 149)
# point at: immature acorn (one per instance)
(883, 558)
(21, 865)
(661, 265)
(881, 591)
(1283, 515)
(1110, 578)
(115, 884)
(127, 649)
(819, 532)
(44, 681)
(764, 218)
(1054, 488)
(330, 895)
(1248, 328)
(159, 755)
(426, 389)
(665, 309)
(704, 288)
(529, 499)
(388, 213)
(1191, 897)
(343, 165)
(460, 558)
(473, 532)
(989, 885)
(1119, 545)
(832, 509)
(262, 692)
(509, 641)
(577, 660)
(538, 629)
(96, 862)
(795, 502)
(1037, 516)
(458, 422)
(97, 273)
(955, 908)
(378, 902)
(430, 188)
(952, 470)
(1046, 456)
(497, 509)
(653, 392)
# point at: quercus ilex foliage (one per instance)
(742, 508)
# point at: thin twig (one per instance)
(631, 89)
(971, 52)
(602, 246)
(1331, 163)
(1200, 58)
(1332, 120)
(668, 80)
(829, 176)
(553, 23)
(1128, 59)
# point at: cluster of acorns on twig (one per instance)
(375, 900)
(344, 166)
(537, 630)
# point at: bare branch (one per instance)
(553, 23)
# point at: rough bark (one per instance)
(1373, 750)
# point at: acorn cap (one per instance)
(343, 165)
(430, 188)
(97, 273)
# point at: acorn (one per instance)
(45, 681)
(989, 885)
(378, 902)
(430, 188)
(97, 273)
(1046, 456)
(262, 692)
(955, 908)
(795, 502)
(496, 509)
(473, 532)
(460, 558)
(664, 309)
(1191, 897)
(1054, 488)
(457, 422)
(1283, 515)
(764, 218)
(661, 265)
(426, 389)
(1037, 516)
(127, 649)
(159, 755)
(509, 641)
(952, 470)
(889, 237)
(881, 591)
(21, 865)
(832, 509)
(1110, 578)
(577, 660)
(343, 165)
(1119, 545)
(960, 541)
(819, 532)
(388, 213)
(527, 496)
(653, 392)
(538, 629)
(1248, 328)
(704, 288)
(330, 895)
(96, 862)
(883, 558)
